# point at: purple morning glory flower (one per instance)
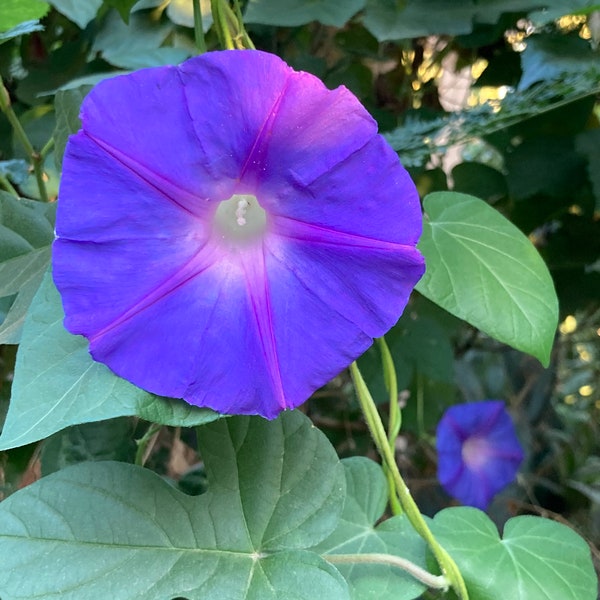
(478, 451)
(232, 233)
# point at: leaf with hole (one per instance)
(107, 529)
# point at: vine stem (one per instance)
(395, 418)
(198, 27)
(445, 561)
(438, 582)
(146, 443)
(7, 185)
(36, 158)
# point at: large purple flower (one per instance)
(231, 232)
(478, 451)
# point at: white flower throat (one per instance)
(240, 218)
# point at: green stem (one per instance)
(247, 42)
(395, 418)
(221, 25)
(445, 561)
(198, 28)
(145, 444)
(438, 582)
(37, 160)
(47, 148)
(7, 185)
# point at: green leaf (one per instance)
(21, 29)
(30, 221)
(123, 7)
(138, 44)
(482, 269)
(21, 276)
(536, 558)
(356, 533)
(548, 56)
(588, 144)
(81, 13)
(15, 12)
(291, 13)
(103, 440)
(58, 384)
(66, 105)
(26, 232)
(428, 17)
(16, 169)
(275, 489)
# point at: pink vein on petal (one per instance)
(307, 232)
(258, 291)
(187, 272)
(270, 118)
(192, 204)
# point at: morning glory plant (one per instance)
(236, 253)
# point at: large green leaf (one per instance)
(291, 13)
(137, 44)
(366, 499)
(99, 441)
(57, 384)
(26, 232)
(549, 56)
(419, 18)
(15, 12)
(482, 269)
(536, 558)
(66, 105)
(113, 530)
(21, 277)
(81, 13)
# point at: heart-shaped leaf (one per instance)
(57, 383)
(113, 530)
(366, 498)
(536, 558)
(482, 269)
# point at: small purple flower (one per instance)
(232, 233)
(478, 451)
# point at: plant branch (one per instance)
(198, 28)
(445, 561)
(36, 158)
(438, 582)
(395, 418)
(146, 443)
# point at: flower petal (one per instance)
(171, 304)
(144, 116)
(476, 483)
(367, 194)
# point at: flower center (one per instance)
(240, 218)
(476, 452)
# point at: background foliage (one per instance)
(496, 99)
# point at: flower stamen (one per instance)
(240, 218)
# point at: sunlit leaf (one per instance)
(535, 558)
(482, 269)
